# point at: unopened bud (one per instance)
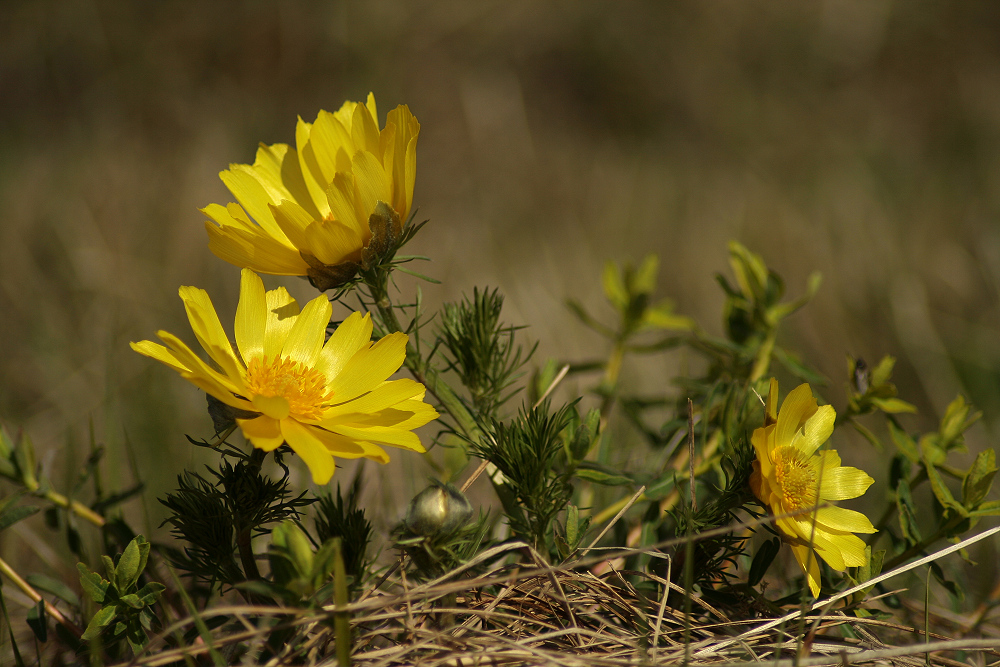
(438, 509)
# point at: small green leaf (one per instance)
(109, 567)
(24, 457)
(660, 490)
(883, 371)
(132, 600)
(907, 513)
(614, 286)
(151, 592)
(644, 279)
(101, 620)
(572, 526)
(893, 405)
(950, 585)
(762, 560)
(37, 621)
(941, 491)
(9, 517)
(991, 508)
(54, 586)
(869, 436)
(979, 479)
(601, 477)
(94, 586)
(127, 572)
(906, 445)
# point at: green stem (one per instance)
(428, 376)
(26, 588)
(75, 507)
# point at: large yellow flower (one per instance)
(324, 400)
(307, 211)
(789, 475)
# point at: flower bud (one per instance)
(438, 509)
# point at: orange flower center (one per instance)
(797, 478)
(304, 388)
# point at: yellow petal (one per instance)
(390, 436)
(348, 448)
(207, 328)
(305, 339)
(407, 415)
(275, 407)
(251, 316)
(333, 242)
(384, 396)
(844, 520)
(278, 169)
(308, 167)
(254, 250)
(850, 548)
(372, 181)
(282, 311)
(201, 374)
(253, 198)
(810, 566)
(771, 407)
(304, 443)
(816, 430)
(223, 218)
(404, 161)
(353, 334)
(372, 109)
(263, 432)
(364, 129)
(330, 137)
(843, 483)
(160, 353)
(797, 407)
(369, 367)
(344, 200)
(293, 220)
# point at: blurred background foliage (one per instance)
(854, 137)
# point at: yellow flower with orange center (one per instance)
(323, 398)
(309, 209)
(790, 475)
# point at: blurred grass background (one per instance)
(855, 137)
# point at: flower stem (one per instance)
(428, 376)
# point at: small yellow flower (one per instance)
(324, 400)
(790, 475)
(306, 211)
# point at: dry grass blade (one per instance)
(517, 615)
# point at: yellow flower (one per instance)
(324, 400)
(307, 211)
(789, 475)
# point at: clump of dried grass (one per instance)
(517, 614)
